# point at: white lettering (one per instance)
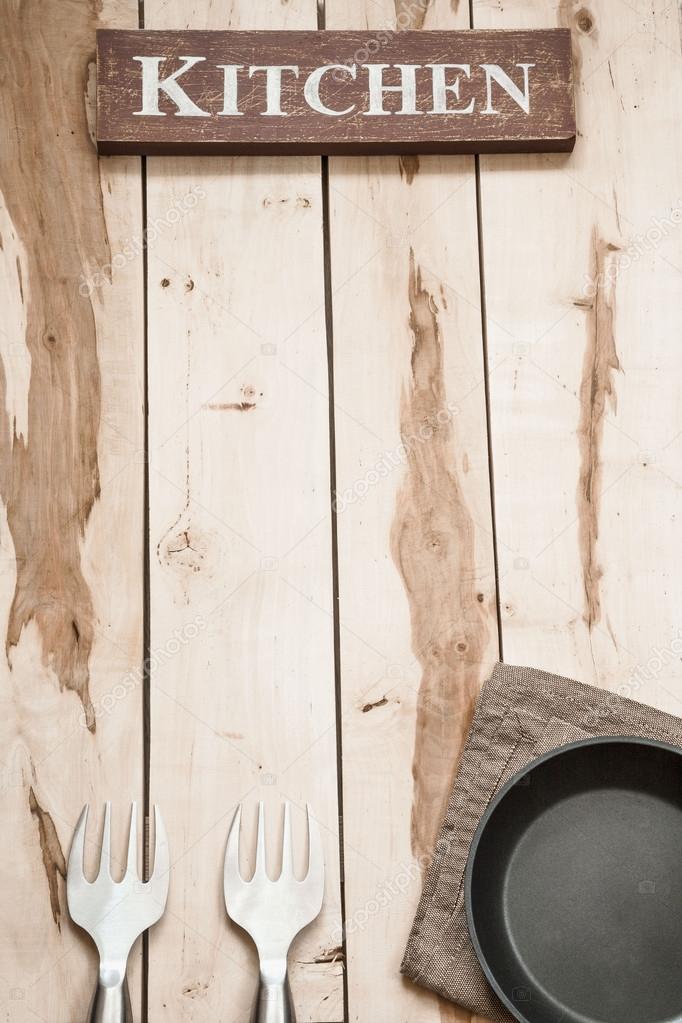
(446, 89)
(152, 86)
(494, 73)
(273, 86)
(311, 89)
(230, 93)
(441, 89)
(407, 88)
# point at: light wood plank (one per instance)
(71, 592)
(583, 310)
(240, 545)
(416, 565)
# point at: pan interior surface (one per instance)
(574, 886)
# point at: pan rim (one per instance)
(601, 740)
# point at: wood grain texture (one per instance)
(71, 436)
(241, 557)
(433, 542)
(416, 566)
(597, 395)
(582, 277)
(344, 109)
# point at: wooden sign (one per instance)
(334, 92)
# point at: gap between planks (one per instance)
(146, 598)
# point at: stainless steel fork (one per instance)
(115, 913)
(273, 912)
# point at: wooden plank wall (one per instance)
(240, 544)
(71, 462)
(284, 627)
(418, 626)
(582, 269)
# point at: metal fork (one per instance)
(273, 912)
(115, 913)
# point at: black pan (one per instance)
(574, 886)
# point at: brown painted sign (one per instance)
(334, 92)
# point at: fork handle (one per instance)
(273, 1002)
(111, 1003)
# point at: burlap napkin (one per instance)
(521, 713)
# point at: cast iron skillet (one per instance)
(574, 885)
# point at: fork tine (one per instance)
(287, 870)
(131, 863)
(161, 873)
(105, 857)
(231, 873)
(315, 874)
(260, 870)
(75, 870)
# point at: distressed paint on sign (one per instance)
(316, 92)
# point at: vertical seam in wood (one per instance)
(329, 331)
(486, 381)
(146, 613)
(328, 314)
(488, 412)
(146, 602)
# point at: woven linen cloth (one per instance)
(521, 714)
